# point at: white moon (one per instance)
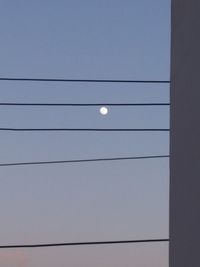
(103, 110)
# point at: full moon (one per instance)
(103, 110)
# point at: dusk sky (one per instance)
(84, 39)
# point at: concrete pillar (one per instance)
(184, 249)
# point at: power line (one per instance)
(82, 80)
(80, 160)
(82, 104)
(85, 243)
(85, 129)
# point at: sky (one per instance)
(118, 200)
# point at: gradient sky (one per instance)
(88, 39)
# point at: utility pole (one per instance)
(184, 248)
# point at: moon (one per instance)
(103, 111)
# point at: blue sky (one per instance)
(90, 201)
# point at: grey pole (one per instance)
(184, 248)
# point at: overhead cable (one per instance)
(84, 243)
(82, 104)
(80, 160)
(86, 129)
(23, 79)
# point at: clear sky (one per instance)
(86, 39)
